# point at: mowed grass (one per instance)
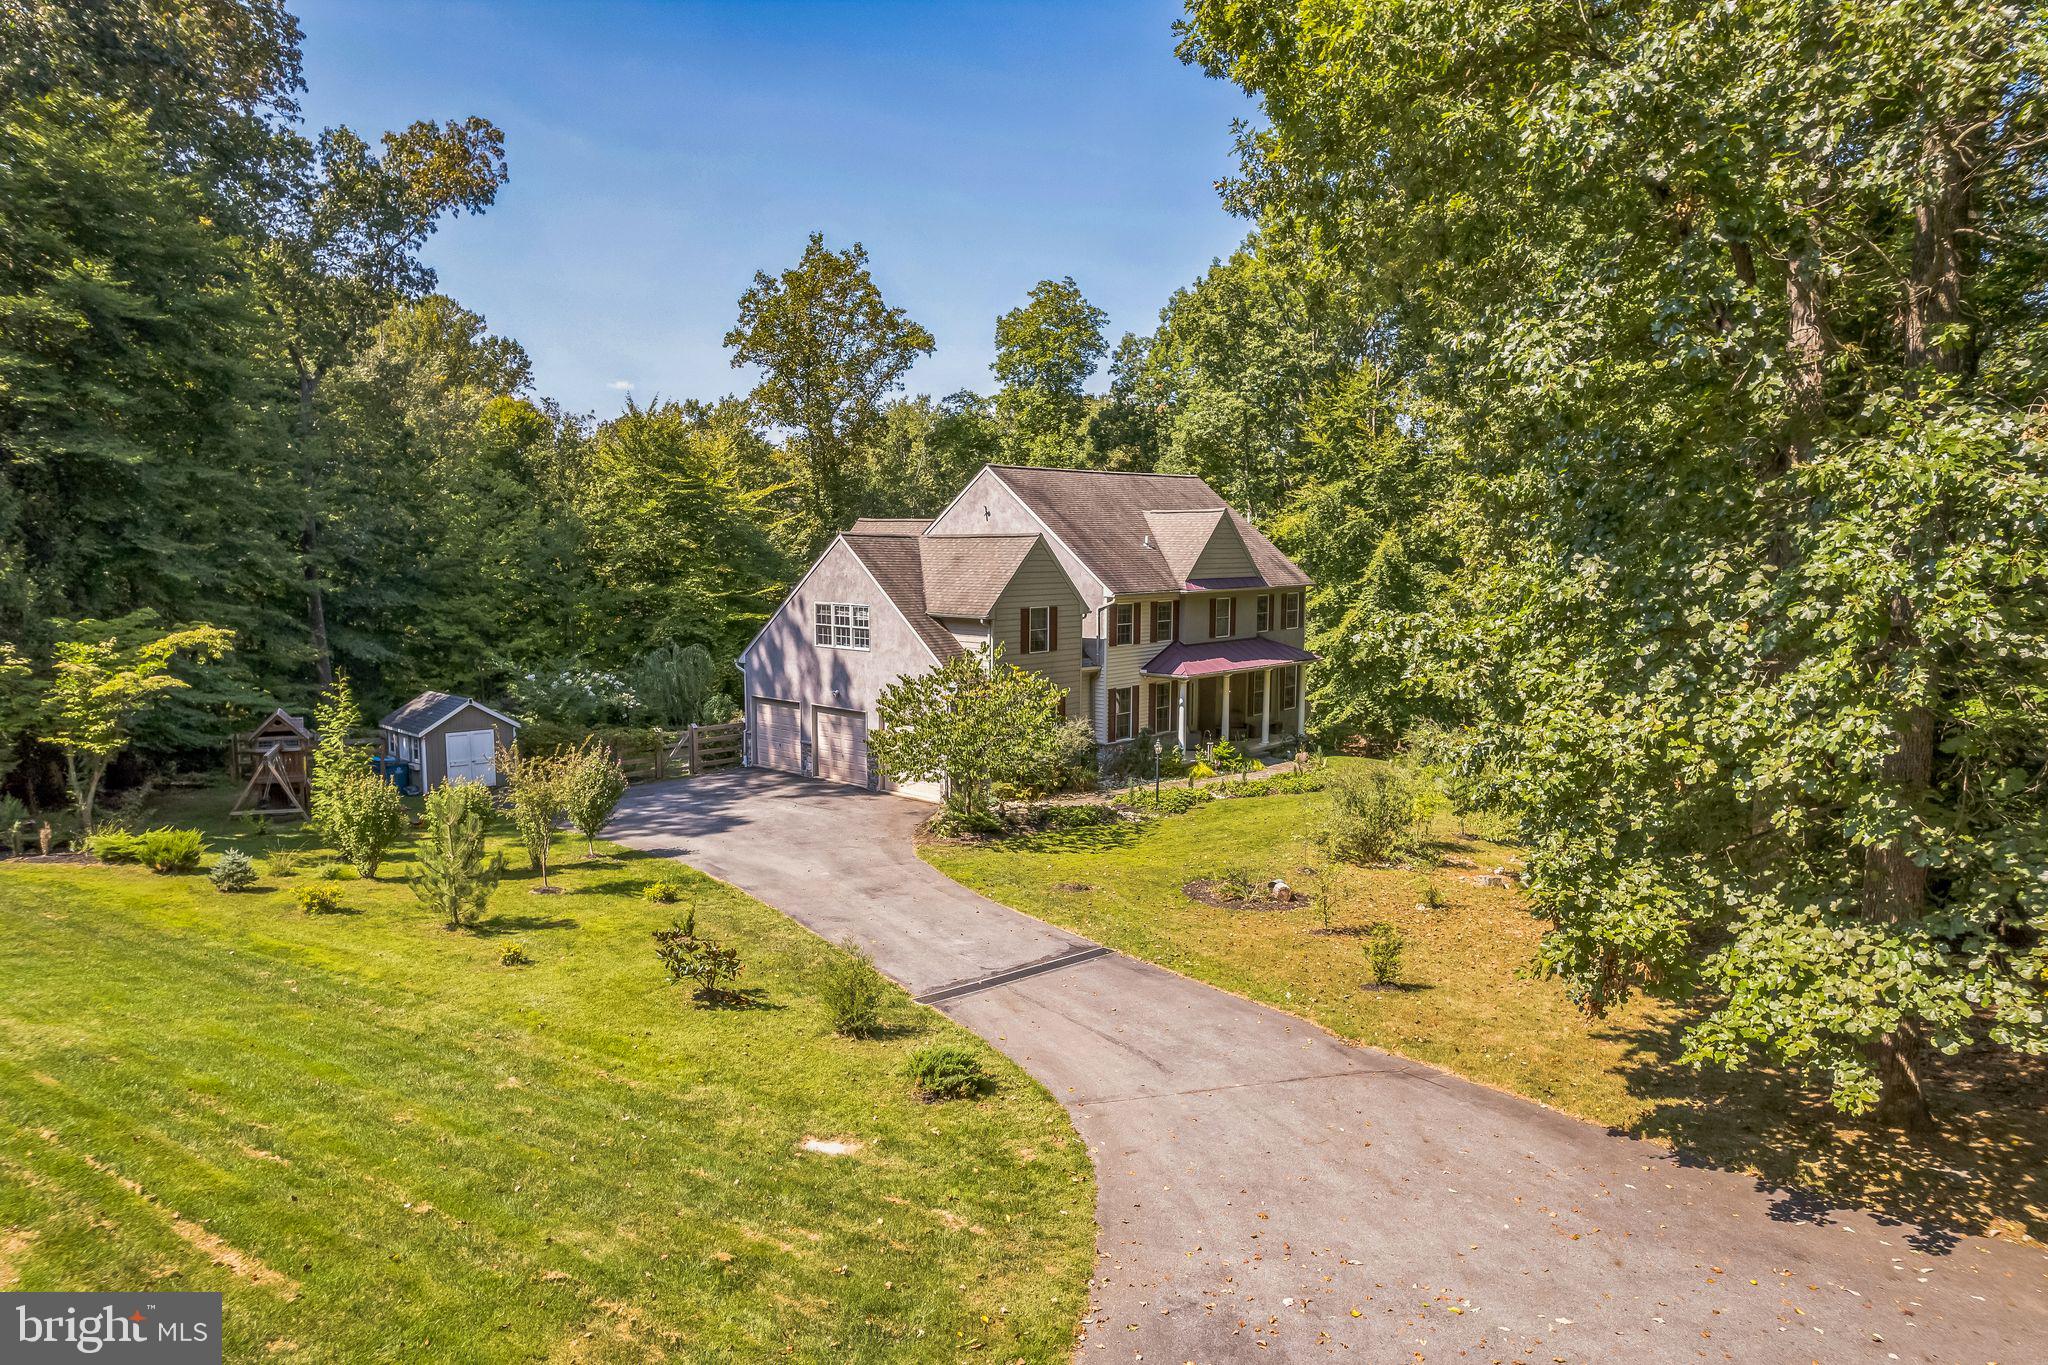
(379, 1142)
(1468, 1002)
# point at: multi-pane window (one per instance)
(1038, 630)
(1162, 709)
(1290, 687)
(1264, 615)
(841, 625)
(1124, 624)
(1162, 620)
(1122, 700)
(1220, 612)
(1290, 611)
(1256, 705)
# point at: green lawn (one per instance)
(381, 1142)
(1467, 1003)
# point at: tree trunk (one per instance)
(309, 534)
(1894, 885)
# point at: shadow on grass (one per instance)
(749, 998)
(1984, 1168)
(520, 924)
(1086, 839)
(622, 886)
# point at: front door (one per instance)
(473, 756)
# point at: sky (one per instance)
(661, 153)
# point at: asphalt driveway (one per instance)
(1267, 1191)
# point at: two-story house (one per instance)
(1151, 602)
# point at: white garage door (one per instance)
(778, 735)
(473, 756)
(842, 746)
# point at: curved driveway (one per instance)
(1269, 1192)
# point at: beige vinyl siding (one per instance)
(1122, 664)
(1040, 581)
(1224, 556)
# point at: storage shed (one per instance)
(446, 738)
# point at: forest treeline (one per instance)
(230, 392)
(1654, 391)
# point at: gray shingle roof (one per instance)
(964, 575)
(423, 713)
(1102, 517)
(897, 564)
(889, 526)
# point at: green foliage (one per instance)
(453, 873)
(1045, 350)
(1383, 945)
(234, 870)
(515, 955)
(1371, 813)
(1198, 770)
(284, 862)
(536, 785)
(852, 990)
(974, 722)
(363, 817)
(671, 683)
(114, 846)
(701, 962)
(1239, 882)
(1730, 336)
(593, 784)
(337, 764)
(14, 824)
(1069, 765)
(947, 1072)
(1169, 801)
(829, 349)
(170, 852)
(666, 891)
(317, 898)
(105, 674)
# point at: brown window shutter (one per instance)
(1176, 618)
(1023, 630)
(1052, 628)
(1212, 618)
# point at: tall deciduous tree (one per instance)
(1733, 316)
(340, 248)
(829, 350)
(1046, 348)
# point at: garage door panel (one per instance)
(778, 735)
(842, 746)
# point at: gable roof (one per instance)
(964, 575)
(1182, 536)
(889, 526)
(896, 563)
(429, 711)
(281, 723)
(1104, 517)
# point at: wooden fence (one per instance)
(699, 749)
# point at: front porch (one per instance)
(1247, 691)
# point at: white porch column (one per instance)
(1180, 709)
(1266, 713)
(1223, 727)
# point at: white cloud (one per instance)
(622, 385)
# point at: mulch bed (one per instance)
(1204, 891)
(73, 858)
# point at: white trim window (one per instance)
(1290, 611)
(1038, 631)
(840, 625)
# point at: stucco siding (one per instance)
(786, 664)
(1041, 581)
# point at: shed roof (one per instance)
(429, 711)
(1223, 656)
(1104, 517)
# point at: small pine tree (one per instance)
(592, 787)
(454, 876)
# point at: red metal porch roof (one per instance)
(1224, 656)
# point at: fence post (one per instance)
(660, 761)
(696, 765)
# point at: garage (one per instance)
(842, 746)
(778, 735)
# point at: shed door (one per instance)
(778, 735)
(842, 746)
(473, 756)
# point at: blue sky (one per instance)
(661, 153)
